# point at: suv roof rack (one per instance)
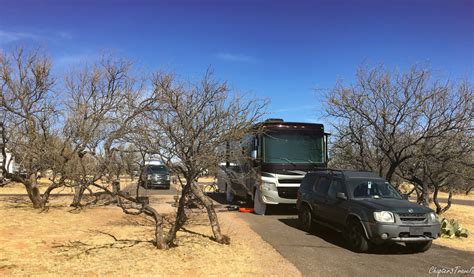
(348, 173)
(332, 170)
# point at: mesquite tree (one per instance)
(395, 123)
(192, 120)
(28, 114)
(102, 101)
(104, 120)
(106, 102)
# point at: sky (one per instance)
(290, 52)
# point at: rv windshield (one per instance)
(293, 148)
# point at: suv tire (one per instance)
(419, 246)
(305, 218)
(356, 237)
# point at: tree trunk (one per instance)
(440, 210)
(468, 190)
(34, 193)
(425, 195)
(216, 229)
(435, 200)
(390, 172)
(35, 196)
(159, 237)
(78, 194)
(160, 241)
(180, 215)
(448, 205)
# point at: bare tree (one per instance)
(191, 122)
(107, 101)
(103, 99)
(442, 164)
(387, 119)
(29, 114)
(107, 116)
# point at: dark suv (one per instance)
(155, 176)
(366, 209)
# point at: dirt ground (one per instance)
(105, 241)
(464, 214)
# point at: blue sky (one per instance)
(291, 52)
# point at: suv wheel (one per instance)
(419, 246)
(356, 237)
(305, 218)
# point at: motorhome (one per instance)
(268, 164)
(9, 163)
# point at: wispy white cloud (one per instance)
(64, 35)
(232, 57)
(9, 37)
(77, 59)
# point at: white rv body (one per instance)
(9, 163)
(274, 161)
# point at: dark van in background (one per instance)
(155, 175)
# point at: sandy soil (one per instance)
(105, 241)
(465, 216)
(457, 195)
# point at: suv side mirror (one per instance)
(341, 195)
(253, 154)
(405, 196)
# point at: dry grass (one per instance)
(465, 216)
(457, 196)
(407, 187)
(207, 179)
(104, 241)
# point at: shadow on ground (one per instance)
(336, 238)
(240, 202)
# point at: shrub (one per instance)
(451, 228)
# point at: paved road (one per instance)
(323, 252)
(467, 202)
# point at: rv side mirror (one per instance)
(253, 154)
(341, 195)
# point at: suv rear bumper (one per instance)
(376, 232)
